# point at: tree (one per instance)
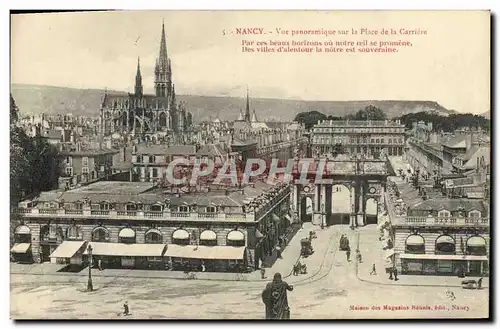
(447, 123)
(309, 119)
(368, 113)
(32, 161)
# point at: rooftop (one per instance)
(359, 123)
(140, 192)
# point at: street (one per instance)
(331, 290)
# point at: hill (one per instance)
(35, 99)
(486, 115)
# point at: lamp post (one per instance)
(89, 284)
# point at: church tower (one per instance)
(138, 80)
(163, 74)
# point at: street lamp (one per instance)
(89, 284)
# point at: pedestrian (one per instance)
(358, 256)
(278, 252)
(374, 270)
(348, 254)
(99, 264)
(262, 273)
(126, 310)
(480, 283)
(203, 267)
(395, 274)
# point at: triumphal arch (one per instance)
(318, 180)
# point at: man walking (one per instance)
(126, 310)
(262, 273)
(348, 254)
(374, 270)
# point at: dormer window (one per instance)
(183, 209)
(474, 214)
(211, 209)
(444, 214)
(104, 206)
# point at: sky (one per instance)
(449, 65)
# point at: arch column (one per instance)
(361, 206)
(352, 217)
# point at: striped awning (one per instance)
(126, 249)
(20, 248)
(208, 235)
(289, 218)
(180, 234)
(415, 240)
(205, 252)
(126, 233)
(445, 239)
(276, 218)
(23, 229)
(258, 235)
(236, 236)
(476, 241)
(67, 249)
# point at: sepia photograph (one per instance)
(250, 165)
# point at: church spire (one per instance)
(247, 110)
(138, 79)
(162, 68)
(163, 47)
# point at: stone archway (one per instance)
(371, 210)
(340, 205)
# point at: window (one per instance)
(85, 161)
(104, 206)
(415, 244)
(183, 209)
(151, 159)
(85, 170)
(69, 171)
(474, 214)
(156, 207)
(131, 207)
(155, 172)
(382, 141)
(372, 141)
(154, 236)
(211, 209)
(445, 244)
(444, 214)
(155, 259)
(100, 234)
(69, 161)
(73, 233)
(139, 158)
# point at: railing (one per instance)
(207, 215)
(180, 214)
(154, 214)
(440, 221)
(99, 212)
(74, 212)
(48, 211)
(127, 214)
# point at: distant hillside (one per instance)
(51, 100)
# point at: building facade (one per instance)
(439, 236)
(132, 225)
(359, 136)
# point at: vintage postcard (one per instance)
(250, 165)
